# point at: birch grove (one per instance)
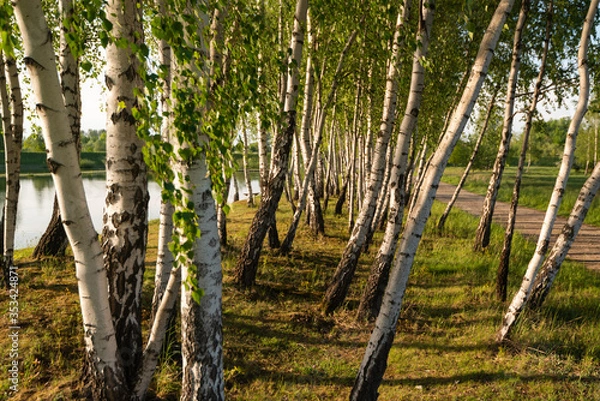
(520, 298)
(193, 305)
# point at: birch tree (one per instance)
(503, 266)
(378, 277)
(107, 380)
(521, 297)
(125, 218)
(247, 264)
(551, 266)
(54, 240)
(375, 359)
(12, 127)
(482, 235)
(340, 282)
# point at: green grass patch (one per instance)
(536, 188)
(278, 346)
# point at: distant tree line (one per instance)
(92, 140)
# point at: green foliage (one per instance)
(93, 140)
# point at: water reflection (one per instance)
(36, 199)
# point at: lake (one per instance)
(36, 199)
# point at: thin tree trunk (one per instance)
(340, 283)
(247, 265)
(54, 240)
(550, 268)
(164, 256)
(310, 167)
(503, 266)
(107, 381)
(13, 141)
(521, 297)
(374, 361)
(482, 235)
(378, 278)
(465, 175)
(250, 200)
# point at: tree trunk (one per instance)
(107, 381)
(125, 218)
(201, 325)
(503, 266)
(54, 240)
(13, 141)
(250, 200)
(378, 277)
(247, 265)
(340, 283)
(482, 235)
(375, 359)
(520, 299)
(463, 178)
(550, 268)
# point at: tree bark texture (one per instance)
(107, 381)
(54, 240)
(550, 268)
(521, 297)
(378, 277)
(125, 218)
(340, 283)
(374, 362)
(12, 106)
(482, 235)
(503, 266)
(247, 264)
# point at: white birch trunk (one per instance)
(375, 358)
(99, 335)
(164, 256)
(482, 235)
(125, 220)
(340, 283)
(247, 265)
(13, 140)
(520, 298)
(503, 265)
(378, 277)
(550, 268)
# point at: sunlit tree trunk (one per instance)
(125, 217)
(164, 256)
(106, 379)
(482, 235)
(340, 283)
(250, 200)
(378, 277)
(374, 361)
(54, 240)
(247, 264)
(521, 297)
(13, 141)
(551, 266)
(503, 266)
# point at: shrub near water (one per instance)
(279, 347)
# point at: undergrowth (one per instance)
(278, 346)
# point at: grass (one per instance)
(277, 345)
(536, 188)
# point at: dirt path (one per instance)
(585, 249)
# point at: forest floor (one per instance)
(278, 345)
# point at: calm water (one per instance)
(36, 198)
